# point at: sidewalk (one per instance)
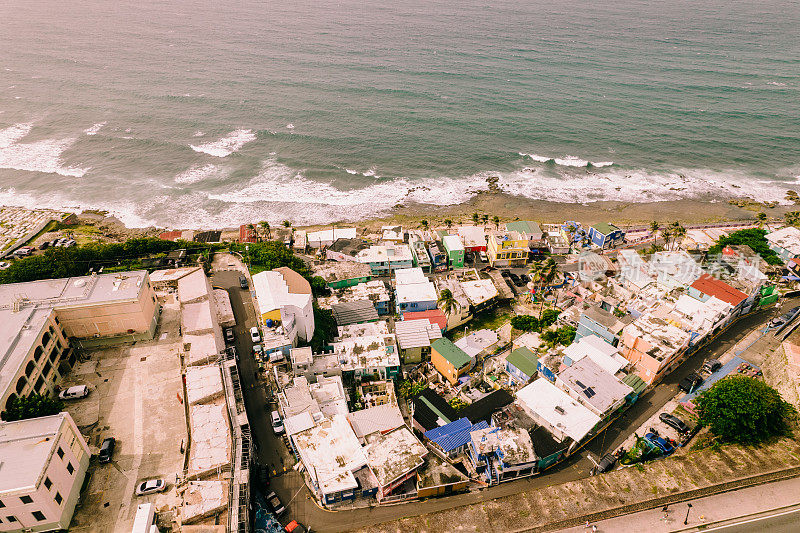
(705, 512)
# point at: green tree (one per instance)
(32, 406)
(549, 317)
(457, 403)
(525, 323)
(448, 223)
(475, 218)
(447, 302)
(745, 410)
(424, 224)
(287, 224)
(324, 328)
(319, 286)
(265, 229)
(251, 230)
(754, 238)
(484, 218)
(496, 221)
(654, 227)
(761, 217)
(792, 218)
(563, 335)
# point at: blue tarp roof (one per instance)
(455, 434)
(727, 368)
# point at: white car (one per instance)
(73, 393)
(254, 334)
(277, 423)
(150, 487)
(4, 265)
(483, 256)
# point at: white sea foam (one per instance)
(94, 129)
(39, 156)
(226, 145)
(290, 126)
(198, 133)
(567, 161)
(371, 172)
(349, 171)
(197, 173)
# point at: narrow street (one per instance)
(290, 487)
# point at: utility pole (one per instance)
(686, 520)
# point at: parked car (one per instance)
(24, 251)
(150, 487)
(233, 352)
(276, 356)
(711, 366)
(254, 334)
(74, 393)
(660, 443)
(44, 245)
(70, 243)
(107, 450)
(4, 265)
(606, 463)
(483, 256)
(505, 273)
(243, 282)
(691, 382)
(296, 527)
(275, 503)
(258, 350)
(277, 423)
(674, 422)
(784, 318)
(229, 334)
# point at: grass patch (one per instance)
(626, 489)
(489, 319)
(639, 467)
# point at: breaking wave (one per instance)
(226, 145)
(567, 161)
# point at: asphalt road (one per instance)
(271, 450)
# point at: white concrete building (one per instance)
(42, 465)
(319, 239)
(285, 296)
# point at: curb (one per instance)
(739, 519)
(653, 503)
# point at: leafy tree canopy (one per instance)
(32, 406)
(525, 323)
(563, 335)
(754, 238)
(745, 410)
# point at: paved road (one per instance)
(781, 522)
(301, 505)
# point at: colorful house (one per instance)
(785, 242)
(707, 286)
(421, 257)
(452, 439)
(383, 260)
(455, 250)
(605, 235)
(474, 238)
(510, 249)
(450, 360)
(501, 454)
(528, 228)
(521, 365)
(413, 291)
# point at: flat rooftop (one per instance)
(557, 409)
(25, 449)
(394, 454)
(77, 291)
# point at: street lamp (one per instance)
(686, 520)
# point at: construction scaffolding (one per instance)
(239, 491)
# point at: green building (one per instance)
(455, 250)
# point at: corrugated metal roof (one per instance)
(523, 359)
(346, 313)
(455, 434)
(635, 382)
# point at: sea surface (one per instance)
(190, 113)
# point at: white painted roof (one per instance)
(477, 341)
(558, 409)
(598, 351)
(416, 333)
(452, 242)
(331, 453)
(330, 235)
(274, 291)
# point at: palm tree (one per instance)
(424, 224)
(475, 218)
(679, 233)
(447, 302)
(251, 230)
(667, 234)
(543, 273)
(287, 224)
(654, 227)
(448, 223)
(496, 220)
(572, 229)
(266, 230)
(761, 217)
(485, 218)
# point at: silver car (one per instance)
(150, 487)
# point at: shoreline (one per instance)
(506, 206)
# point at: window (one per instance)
(2, 504)
(38, 515)
(11, 519)
(59, 499)
(60, 453)
(47, 483)
(26, 499)
(70, 469)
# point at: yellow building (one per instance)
(450, 360)
(510, 249)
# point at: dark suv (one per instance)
(243, 282)
(691, 382)
(674, 422)
(106, 450)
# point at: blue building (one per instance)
(605, 235)
(521, 365)
(598, 321)
(438, 257)
(452, 439)
(501, 454)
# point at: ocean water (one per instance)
(191, 113)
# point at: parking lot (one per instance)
(136, 397)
